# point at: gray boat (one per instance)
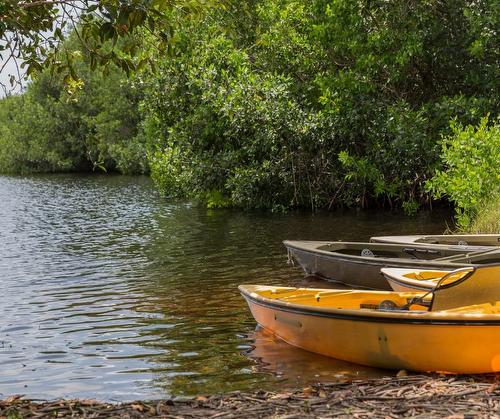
(448, 239)
(358, 264)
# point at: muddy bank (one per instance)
(424, 396)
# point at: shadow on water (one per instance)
(113, 293)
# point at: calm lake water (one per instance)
(110, 292)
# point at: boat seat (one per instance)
(479, 285)
(317, 296)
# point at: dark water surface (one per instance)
(109, 292)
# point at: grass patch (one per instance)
(488, 218)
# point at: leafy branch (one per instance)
(31, 32)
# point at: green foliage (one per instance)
(167, 172)
(48, 130)
(266, 103)
(284, 103)
(234, 130)
(361, 173)
(21, 150)
(471, 156)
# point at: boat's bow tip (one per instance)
(248, 289)
(244, 289)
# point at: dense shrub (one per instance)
(471, 174)
(318, 103)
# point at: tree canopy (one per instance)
(32, 33)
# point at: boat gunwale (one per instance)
(401, 317)
(377, 261)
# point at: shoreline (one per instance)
(410, 396)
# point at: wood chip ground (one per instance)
(392, 397)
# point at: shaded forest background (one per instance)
(278, 104)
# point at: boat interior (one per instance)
(390, 251)
(375, 250)
(425, 275)
(468, 290)
(347, 299)
(443, 277)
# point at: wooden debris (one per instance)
(391, 397)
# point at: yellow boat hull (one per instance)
(418, 343)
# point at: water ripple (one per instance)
(112, 293)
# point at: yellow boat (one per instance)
(455, 328)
